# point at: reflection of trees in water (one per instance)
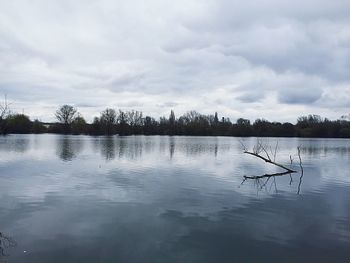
(129, 147)
(133, 147)
(68, 147)
(122, 144)
(171, 146)
(124, 147)
(5, 243)
(196, 146)
(318, 150)
(194, 149)
(15, 143)
(108, 147)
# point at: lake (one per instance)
(172, 199)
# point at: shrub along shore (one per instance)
(112, 122)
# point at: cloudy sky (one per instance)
(275, 59)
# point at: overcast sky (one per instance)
(273, 59)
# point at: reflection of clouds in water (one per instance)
(113, 229)
(272, 220)
(14, 143)
(148, 158)
(166, 196)
(6, 243)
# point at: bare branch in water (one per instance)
(258, 148)
(267, 160)
(260, 152)
(302, 170)
(300, 162)
(274, 155)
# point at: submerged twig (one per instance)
(300, 162)
(258, 148)
(260, 152)
(302, 171)
(274, 155)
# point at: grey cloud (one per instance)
(336, 98)
(296, 47)
(226, 14)
(299, 96)
(168, 104)
(130, 104)
(88, 105)
(317, 47)
(127, 82)
(250, 97)
(253, 91)
(138, 54)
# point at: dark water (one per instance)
(172, 199)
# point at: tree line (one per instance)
(111, 122)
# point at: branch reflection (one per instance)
(261, 182)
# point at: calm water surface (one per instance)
(172, 199)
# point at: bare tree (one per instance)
(108, 120)
(134, 118)
(66, 115)
(4, 113)
(345, 117)
(4, 108)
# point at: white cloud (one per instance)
(241, 59)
